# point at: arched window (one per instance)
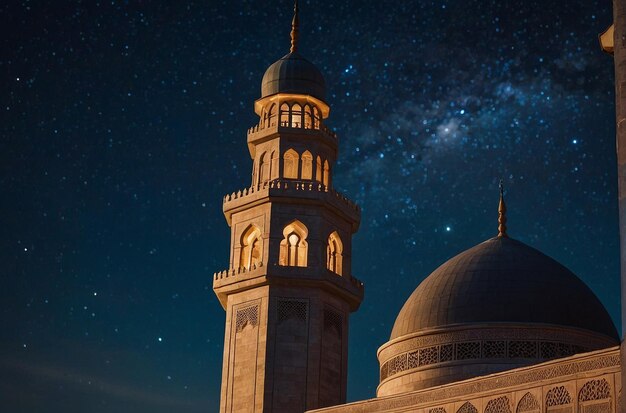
(284, 114)
(271, 116)
(595, 396)
(251, 248)
(334, 251)
(296, 116)
(467, 407)
(290, 164)
(308, 117)
(307, 165)
(318, 169)
(498, 405)
(527, 404)
(316, 118)
(274, 165)
(264, 167)
(293, 247)
(558, 400)
(326, 173)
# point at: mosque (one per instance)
(499, 328)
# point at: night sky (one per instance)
(124, 123)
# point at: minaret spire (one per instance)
(295, 23)
(502, 214)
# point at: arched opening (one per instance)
(290, 164)
(274, 165)
(284, 114)
(264, 167)
(307, 165)
(326, 173)
(293, 247)
(308, 117)
(318, 169)
(296, 116)
(271, 116)
(334, 254)
(251, 248)
(316, 118)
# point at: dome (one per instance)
(292, 73)
(497, 306)
(502, 280)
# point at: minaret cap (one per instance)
(295, 23)
(502, 214)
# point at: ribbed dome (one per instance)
(292, 73)
(502, 280)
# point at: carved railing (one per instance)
(286, 126)
(234, 272)
(293, 186)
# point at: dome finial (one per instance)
(295, 23)
(502, 214)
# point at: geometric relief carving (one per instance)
(558, 396)
(468, 350)
(522, 349)
(428, 355)
(467, 408)
(499, 405)
(604, 407)
(289, 309)
(437, 410)
(595, 390)
(447, 352)
(413, 359)
(494, 349)
(548, 350)
(528, 403)
(332, 321)
(247, 316)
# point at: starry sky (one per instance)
(122, 125)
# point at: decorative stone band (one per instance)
(475, 350)
(599, 363)
(497, 342)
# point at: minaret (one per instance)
(289, 288)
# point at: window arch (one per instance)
(307, 165)
(528, 403)
(251, 248)
(334, 254)
(595, 396)
(316, 118)
(264, 168)
(291, 160)
(556, 398)
(271, 115)
(274, 165)
(498, 405)
(318, 169)
(284, 114)
(294, 247)
(326, 173)
(308, 117)
(467, 407)
(296, 116)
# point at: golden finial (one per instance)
(502, 214)
(295, 23)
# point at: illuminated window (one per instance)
(308, 117)
(293, 248)
(264, 167)
(284, 114)
(307, 165)
(334, 251)
(318, 169)
(251, 248)
(326, 173)
(271, 116)
(290, 164)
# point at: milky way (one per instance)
(123, 125)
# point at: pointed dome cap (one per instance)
(502, 280)
(292, 73)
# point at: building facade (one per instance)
(499, 328)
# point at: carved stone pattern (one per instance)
(496, 334)
(528, 403)
(247, 316)
(499, 405)
(597, 408)
(446, 353)
(291, 309)
(472, 350)
(558, 396)
(429, 355)
(523, 349)
(467, 408)
(468, 350)
(384, 371)
(595, 390)
(413, 359)
(437, 410)
(548, 350)
(608, 360)
(494, 349)
(333, 321)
